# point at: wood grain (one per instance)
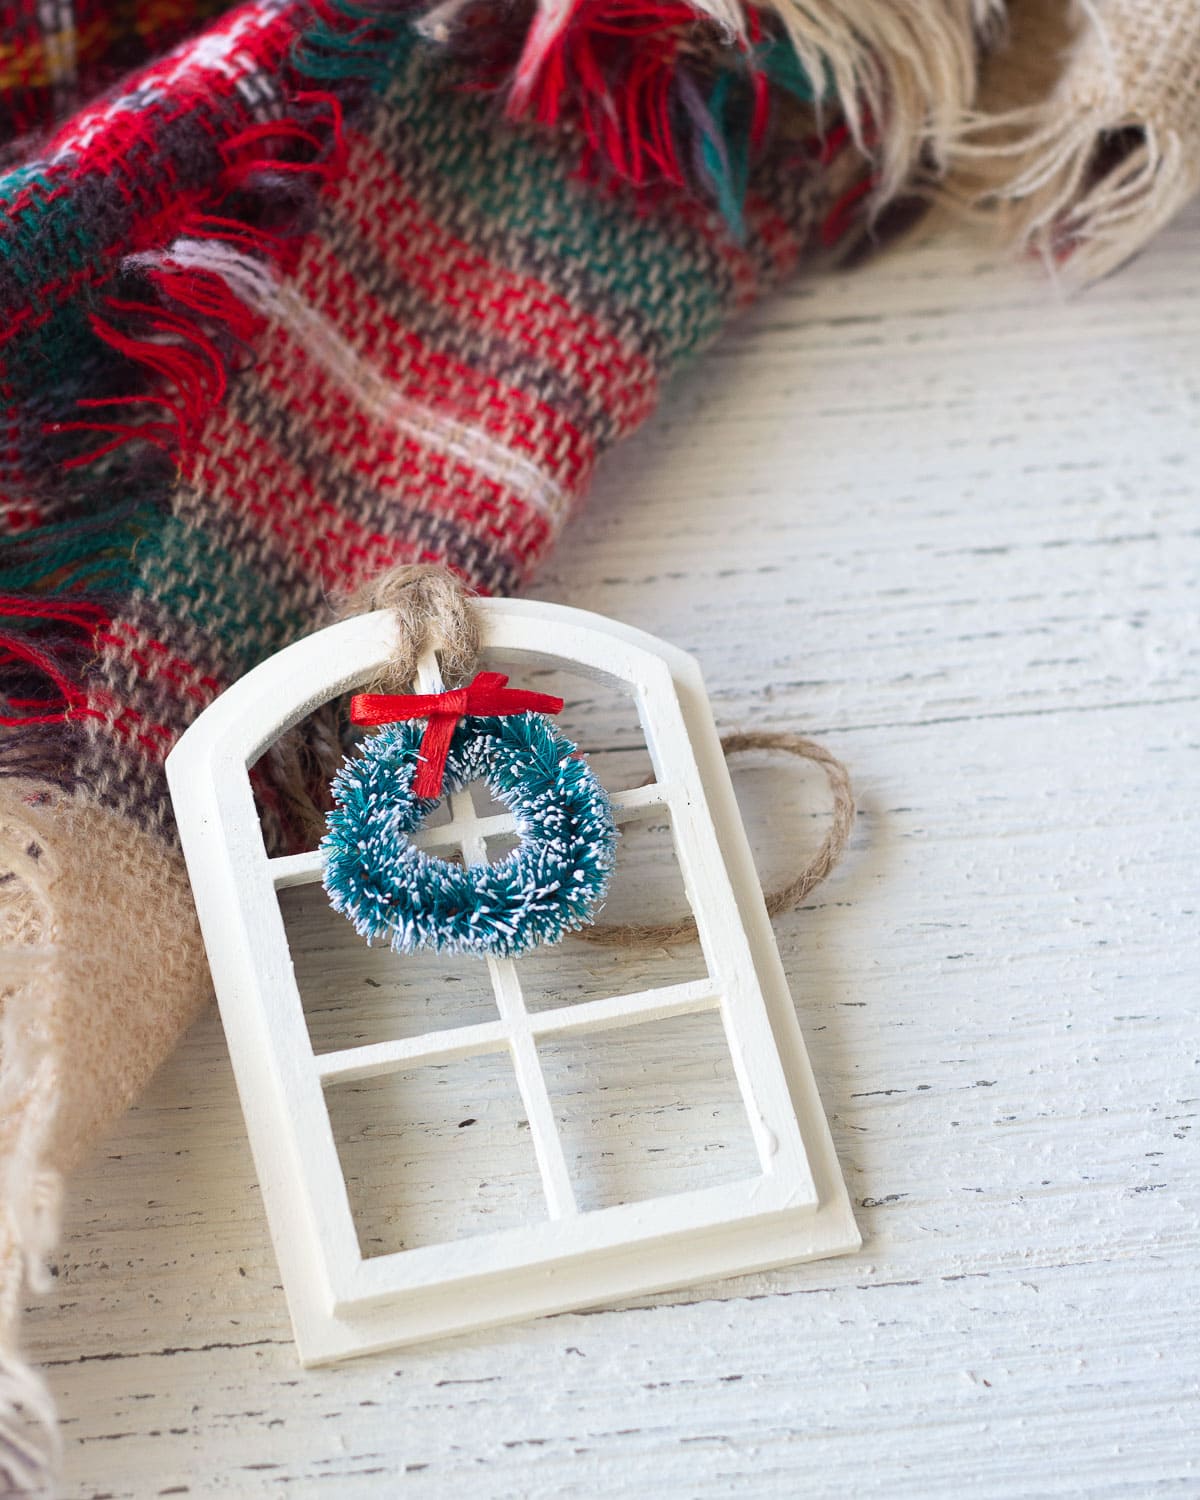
(948, 523)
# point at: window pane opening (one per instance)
(435, 1154)
(438, 817)
(486, 806)
(354, 995)
(500, 846)
(600, 716)
(649, 1111)
(290, 779)
(646, 887)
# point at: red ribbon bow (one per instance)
(488, 694)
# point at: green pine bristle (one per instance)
(549, 885)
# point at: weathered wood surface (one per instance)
(951, 525)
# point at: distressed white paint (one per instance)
(347, 1297)
(949, 524)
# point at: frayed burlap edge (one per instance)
(29, 1188)
(101, 970)
(1088, 140)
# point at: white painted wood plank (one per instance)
(949, 524)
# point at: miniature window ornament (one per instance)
(410, 893)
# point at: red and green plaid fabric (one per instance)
(55, 53)
(293, 304)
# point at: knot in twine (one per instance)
(433, 610)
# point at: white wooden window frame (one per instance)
(343, 1303)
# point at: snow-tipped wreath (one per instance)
(396, 893)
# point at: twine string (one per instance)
(785, 897)
(431, 609)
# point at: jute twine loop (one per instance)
(433, 609)
(783, 898)
(841, 823)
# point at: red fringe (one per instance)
(614, 64)
(843, 212)
(78, 622)
(182, 339)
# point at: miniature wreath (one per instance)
(392, 891)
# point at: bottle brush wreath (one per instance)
(396, 893)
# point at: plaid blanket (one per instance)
(249, 358)
(53, 55)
